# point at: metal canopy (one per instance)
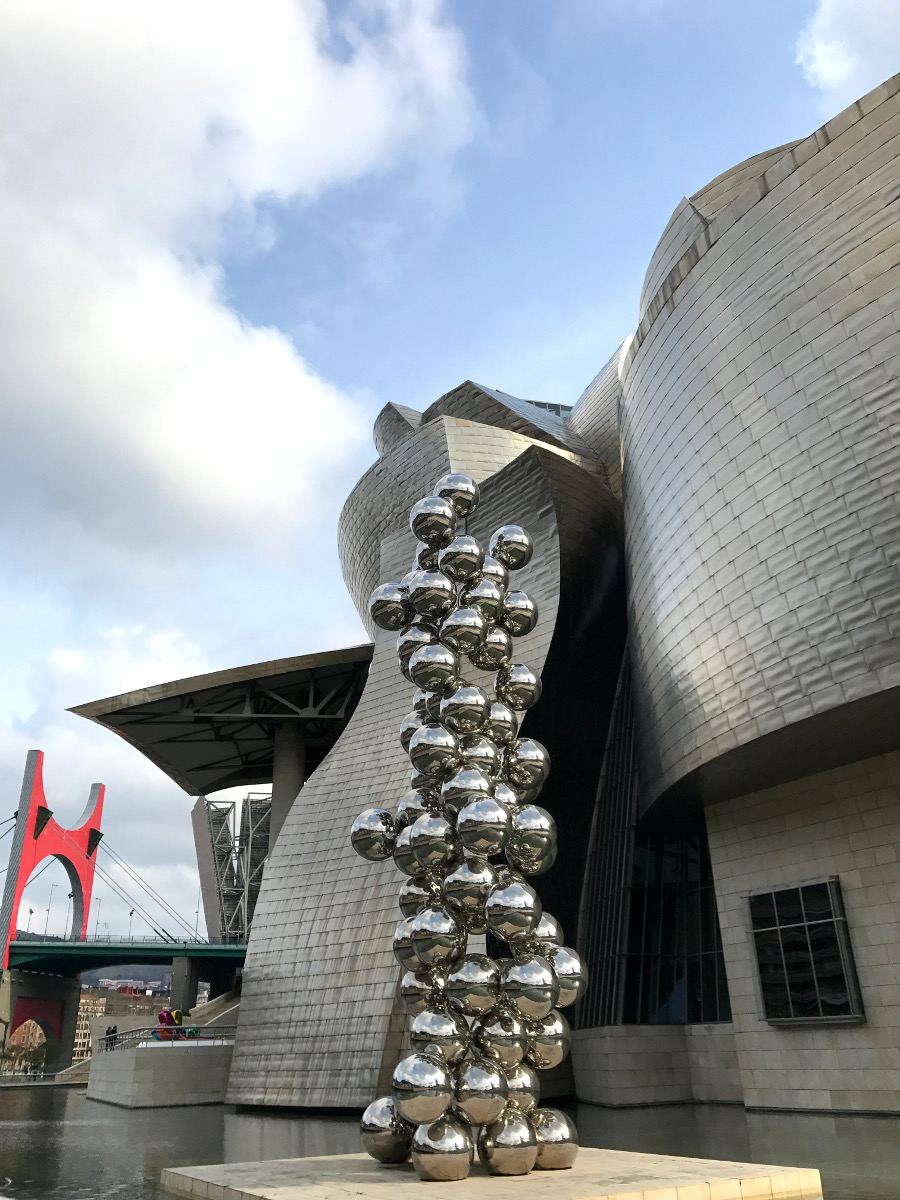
(218, 730)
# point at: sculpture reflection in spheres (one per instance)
(481, 1027)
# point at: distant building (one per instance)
(88, 1006)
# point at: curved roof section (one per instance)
(215, 731)
(595, 418)
(393, 425)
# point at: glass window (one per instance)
(806, 969)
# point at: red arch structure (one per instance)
(38, 836)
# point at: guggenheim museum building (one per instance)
(717, 565)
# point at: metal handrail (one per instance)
(106, 938)
(181, 1036)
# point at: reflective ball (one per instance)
(493, 568)
(412, 804)
(404, 858)
(465, 709)
(527, 763)
(389, 606)
(557, 1139)
(426, 557)
(422, 783)
(485, 595)
(438, 938)
(404, 950)
(523, 1087)
(508, 1146)
(480, 1090)
(512, 910)
(463, 630)
(412, 638)
(495, 650)
(519, 614)
(571, 973)
(433, 521)
(466, 888)
(419, 701)
(434, 841)
(502, 724)
(532, 837)
(547, 935)
(518, 686)
(442, 1031)
(422, 989)
(408, 726)
(461, 559)
(549, 1041)
(483, 826)
(373, 834)
(384, 1134)
(529, 862)
(442, 1150)
(422, 1087)
(422, 891)
(434, 750)
(473, 985)
(433, 668)
(506, 795)
(512, 546)
(432, 594)
(502, 1037)
(460, 489)
(480, 752)
(530, 986)
(464, 786)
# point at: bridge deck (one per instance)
(71, 958)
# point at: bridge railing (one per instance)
(181, 1035)
(135, 940)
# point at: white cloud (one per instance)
(848, 47)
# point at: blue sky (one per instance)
(228, 236)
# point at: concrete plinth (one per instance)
(597, 1175)
(161, 1074)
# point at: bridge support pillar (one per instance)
(288, 769)
(185, 978)
(49, 1000)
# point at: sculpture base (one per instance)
(597, 1175)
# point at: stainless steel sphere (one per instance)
(532, 837)
(432, 594)
(501, 1036)
(502, 724)
(404, 950)
(433, 521)
(422, 1087)
(422, 891)
(437, 937)
(483, 826)
(465, 709)
(460, 489)
(384, 1134)
(412, 638)
(480, 752)
(434, 841)
(493, 568)
(373, 834)
(508, 1146)
(404, 858)
(423, 783)
(549, 1041)
(480, 1090)
(434, 668)
(571, 973)
(461, 559)
(557, 1139)
(466, 888)
(389, 606)
(506, 795)
(495, 650)
(512, 546)
(485, 595)
(546, 936)
(464, 786)
(437, 1030)
(434, 750)
(463, 630)
(523, 1088)
(473, 985)
(519, 614)
(518, 686)
(408, 726)
(529, 862)
(512, 910)
(412, 804)
(422, 989)
(530, 986)
(426, 557)
(527, 763)
(442, 1150)
(419, 702)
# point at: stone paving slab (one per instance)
(597, 1175)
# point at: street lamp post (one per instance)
(97, 922)
(30, 915)
(53, 888)
(130, 917)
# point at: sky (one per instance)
(230, 233)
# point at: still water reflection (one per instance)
(56, 1143)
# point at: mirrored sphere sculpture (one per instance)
(420, 989)
(432, 594)
(557, 1139)
(495, 650)
(461, 559)
(465, 709)
(512, 546)
(408, 726)
(418, 892)
(527, 763)
(434, 841)
(508, 1146)
(549, 1041)
(437, 937)
(502, 724)
(523, 1087)
(493, 568)
(519, 614)
(404, 858)
(512, 910)
(480, 1090)
(404, 951)
(460, 489)
(483, 826)
(389, 606)
(464, 630)
(465, 785)
(442, 1150)
(571, 973)
(473, 985)
(466, 887)
(422, 1087)
(530, 986)
(384, 1133)
(433, 521)
(426, 557)
(480, 752)
(412, 804)
(518, 686)
(438, 1029)
(501, 1036)
(373, 834)
(486, 596)
(434, 749)
(412, 638)
(434, 667)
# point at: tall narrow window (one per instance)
(806, 969)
